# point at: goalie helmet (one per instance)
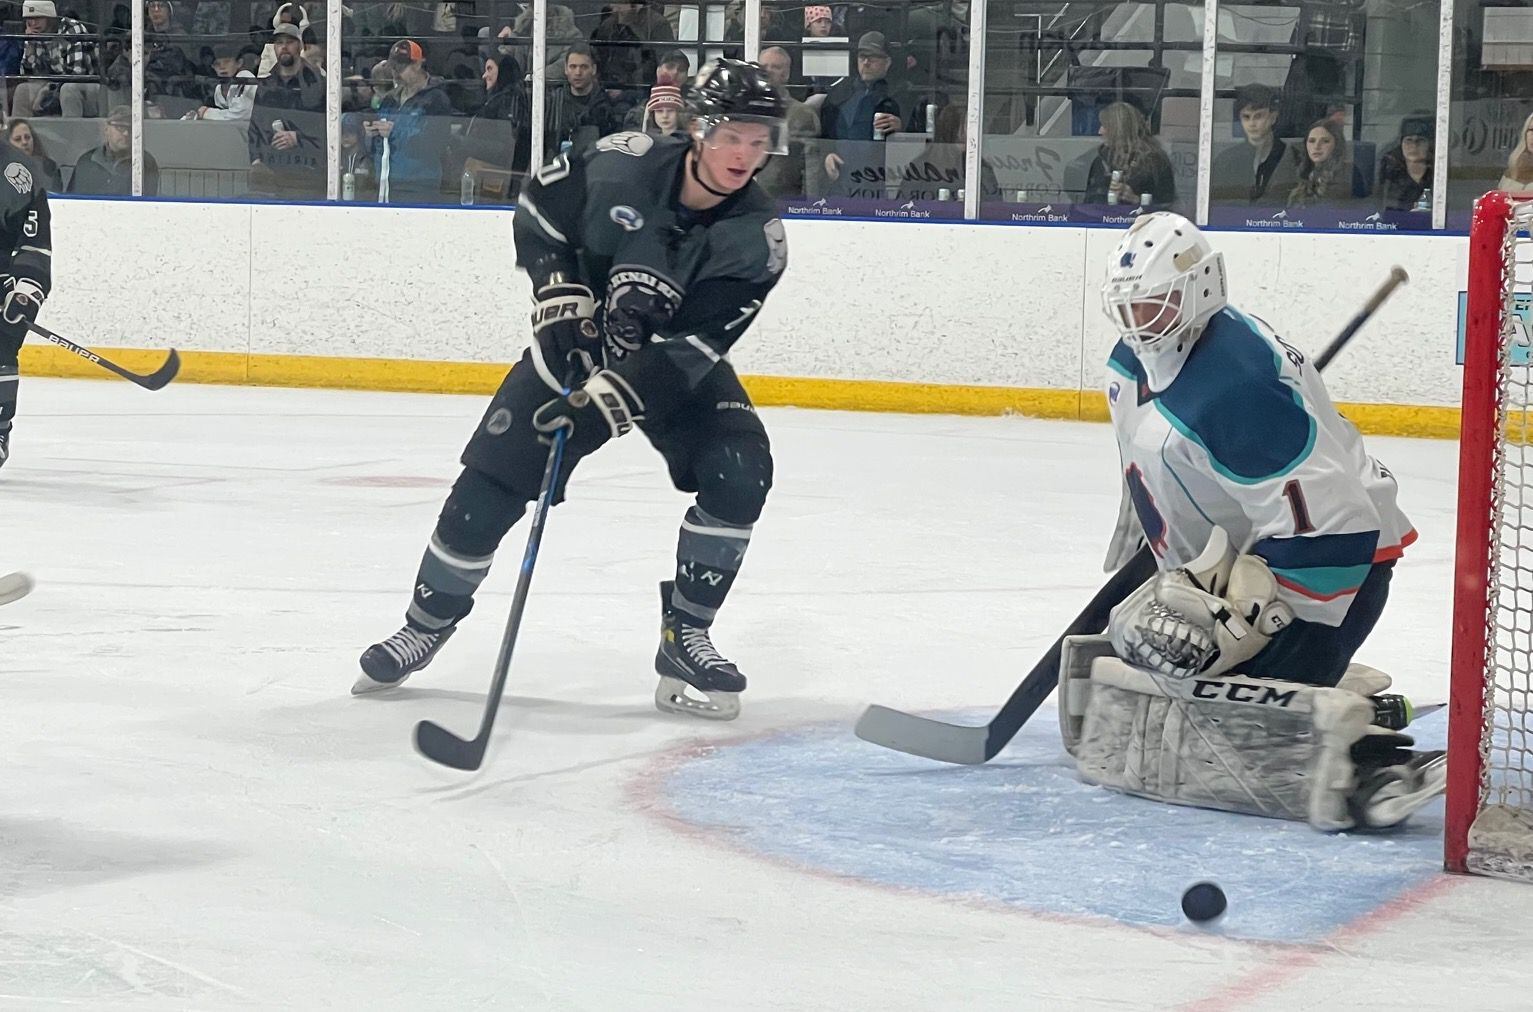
(733, 91)
(1164, 282)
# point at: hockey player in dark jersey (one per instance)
(26, 271)
(649, 258)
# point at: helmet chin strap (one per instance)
(695, 159)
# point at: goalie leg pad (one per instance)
(1257, 746)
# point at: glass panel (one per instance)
(1323, 116)
(877, 125)
(55, 82)
(1491, 105)
(1091, 111)
(434, 101)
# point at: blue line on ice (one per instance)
(1024, 831)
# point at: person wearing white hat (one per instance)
(67, 52)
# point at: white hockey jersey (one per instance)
(1246, 438)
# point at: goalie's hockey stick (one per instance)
(969, 745)
(433, 740)
(153, 381)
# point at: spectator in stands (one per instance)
(674, 68)
(1405, 171)
(1326, 172)
(498, 137)
(287, 123)
(73, 56)
(785, 176)
(1131, 150)
(941, 163)
(1519, 164)
(168, 71)
(412, 126)
(108, 169)
(563, 32)
(664, 111)
(228, 100)
(578, 111)
(861, 108)
(28, 143)
(617, 41)
(357, 159)
(287, 14)
(817, 23)
(1263, 168)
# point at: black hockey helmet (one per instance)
(733, 90)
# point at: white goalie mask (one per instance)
(1164, 282)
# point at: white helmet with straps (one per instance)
(1164, 283)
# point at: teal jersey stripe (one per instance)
(1325, 581)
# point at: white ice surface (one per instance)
(196, 814)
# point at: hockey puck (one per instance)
(1203, 901)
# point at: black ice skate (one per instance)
(1393, 780)
(686, 661)
(5, 445)
(387, 664)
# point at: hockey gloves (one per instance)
(606, 407)
(566, 347)
(20, 299)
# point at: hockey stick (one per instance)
(433, 740)
(14, 587)
(153, 381)
(969, 745)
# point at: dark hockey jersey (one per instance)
(675, 288)
(26, 230)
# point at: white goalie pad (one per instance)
(1077, 654)
(1257, 746)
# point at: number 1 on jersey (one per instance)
(1295, 496)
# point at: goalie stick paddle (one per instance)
(970, 745)
(152, 381)
(433, 740)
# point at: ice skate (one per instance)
(1393, 780)
(386, 665)
(694, 678)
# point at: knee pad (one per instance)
(478, 513)
(734, 475)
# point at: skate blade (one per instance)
(14, 587)
(366, 684)
(673, 695)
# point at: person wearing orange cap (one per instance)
(412, 127)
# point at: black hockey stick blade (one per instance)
(970, 745)
(434, 741)
(151, 381)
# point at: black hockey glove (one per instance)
(566, 348)
(606, 407)
(20, 299)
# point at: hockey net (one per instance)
(1489, 820)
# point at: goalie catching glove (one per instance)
(1207, 618)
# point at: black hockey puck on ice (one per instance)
(1203, 902)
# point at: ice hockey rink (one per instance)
(195, 813)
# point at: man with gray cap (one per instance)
(108, 170)
(54, 58)
(287, 124)
(1260, 169)
(860, 108)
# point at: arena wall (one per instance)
(871, 315)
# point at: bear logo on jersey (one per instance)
(630, 142)
(627, 217)
(638, 304)
(18, 176)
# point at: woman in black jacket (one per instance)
(1131, 150)
(28, 143)
(499, 134)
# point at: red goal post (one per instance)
(1489, 819)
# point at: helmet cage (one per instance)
(1173, 301)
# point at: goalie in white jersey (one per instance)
(1275, 534)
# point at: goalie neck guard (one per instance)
(1164, 282)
